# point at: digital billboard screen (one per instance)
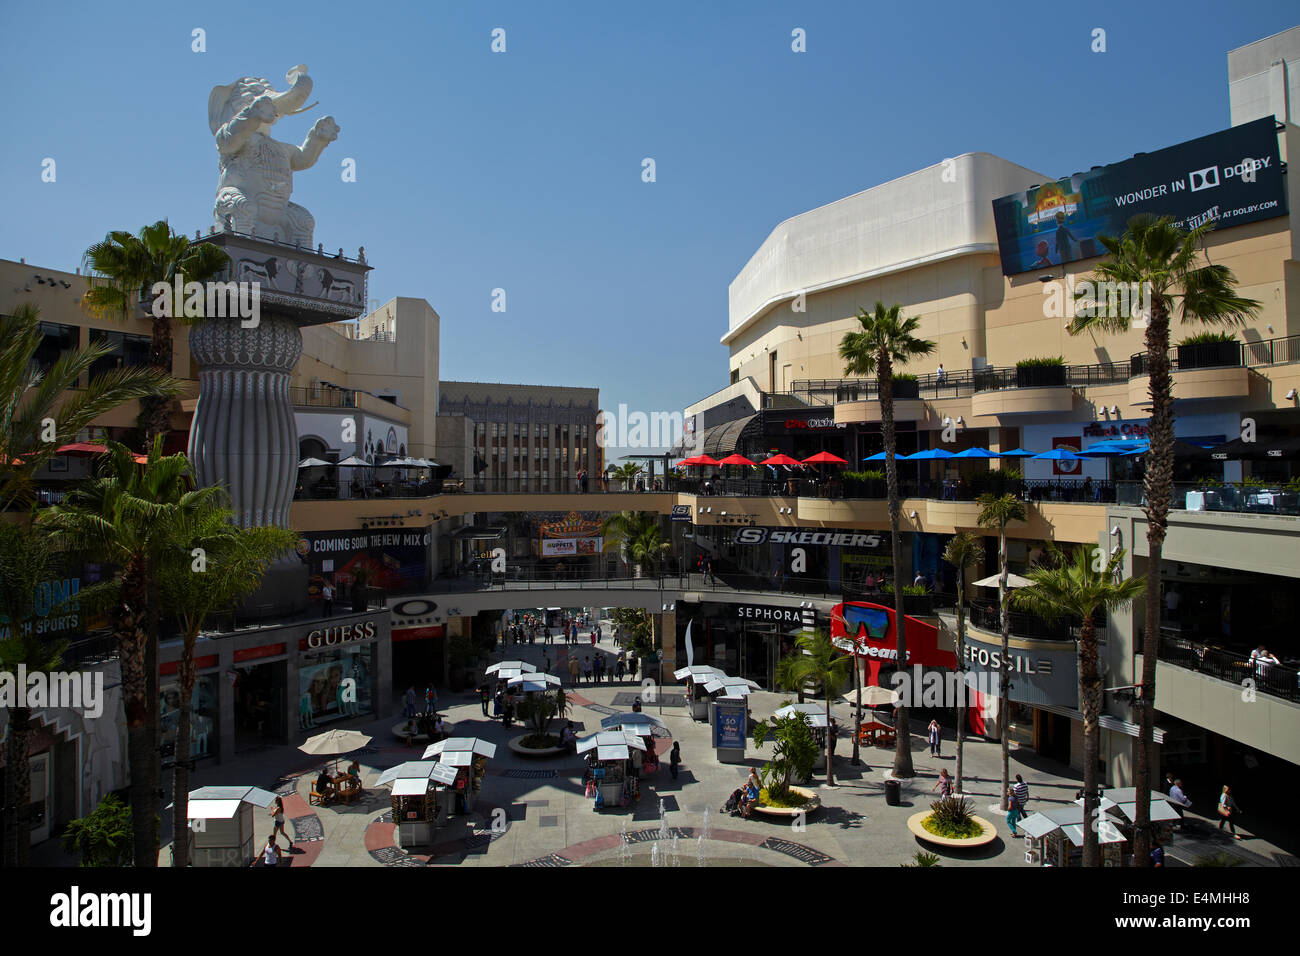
(1229, 178)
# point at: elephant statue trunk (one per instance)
(291, 100)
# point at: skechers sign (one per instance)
(832, 539)
(1229, 178)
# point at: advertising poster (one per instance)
(1229, 178)
(729, 724)
(397, 560)
(1074, 444)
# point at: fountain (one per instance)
(625, 848)
(699, 842)
(654, 854)
(673, 854)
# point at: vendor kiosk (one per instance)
(697, 700)
(419, 807)
(468, 756)
(611, 781)
(223, 824)
(1055, 838)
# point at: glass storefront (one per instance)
(259, 705)
(203, 719)
(335, 682)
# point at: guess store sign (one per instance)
(338, 634)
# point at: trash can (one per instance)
(893, 793)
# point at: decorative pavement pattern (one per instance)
(580, 851)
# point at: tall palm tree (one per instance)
(786, 677)
(625, 473)
(885, 339)
(126, 518)
(123, 268)
(963, 550)
(997, 513)
(1070, 586)
(820, 662)
(32, 400)
(1155, 256)
(26, 559)
(233, 560)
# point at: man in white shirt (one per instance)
(939, 374)
(1178, 799)
(327, 597)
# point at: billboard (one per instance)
(1229, 178)
(571, 547)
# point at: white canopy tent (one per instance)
(611, 744)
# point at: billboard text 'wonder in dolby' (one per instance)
(1229, 178)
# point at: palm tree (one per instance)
(997, 513)
(786, 678)
(123, 269)
(625, 473)
(43, 410)
(125, 518)
(819, 661)
(192, 586)
(963, 550)
(885, 339)
(1068, 586)
(637, 536)
(1155, 256)
(26, 559)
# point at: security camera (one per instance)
(1114, 531)
(911, 514)
(1114, 551)
(1290, 395)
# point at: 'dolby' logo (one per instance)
(75, 910)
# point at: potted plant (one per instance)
(1209, 350)
(794, 752)
(1040, 372)
(952, 820)
(905, 386)
(360, 588)
(537, 710)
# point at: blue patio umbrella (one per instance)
(976, 453)
(930, 454)
(878, 456)
(1112, 449)
(1017, 453)
(1059, 454)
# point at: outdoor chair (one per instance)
(317, 799)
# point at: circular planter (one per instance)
(789, 813)
(988, 836)
(399, 731)
(516, 746)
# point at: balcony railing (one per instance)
(1227, 496)
(323, 397)
(1278, 351)
(988, 617)
(1276, 680)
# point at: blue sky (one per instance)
(522, 170)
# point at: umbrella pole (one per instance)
(857, 722)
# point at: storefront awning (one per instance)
(478, 533)
(721, 440)
(1107, 722)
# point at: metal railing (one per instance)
(1276, 680)
(1276, 351)
(988, 617)
(1226, 496)
(323, 397)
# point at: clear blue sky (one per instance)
(522, 170)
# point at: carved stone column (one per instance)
(244, 437)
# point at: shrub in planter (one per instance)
(953, 819)
(793, 754)
(1209, 350)
(905, 386)
(1040, 372)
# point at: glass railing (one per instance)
(1276, 499)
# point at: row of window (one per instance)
(125, 349)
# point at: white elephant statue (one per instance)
(256, 170)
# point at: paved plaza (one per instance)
(532, 812)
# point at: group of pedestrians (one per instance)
(598, 669)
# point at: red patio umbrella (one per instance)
(90, 448)
(704, 460)
(781, 460)
(736, 460)
(824, 457)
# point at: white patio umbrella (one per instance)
(332, 743)
(1013, 581)
(312, 463)
(637, 722)
(873, 696)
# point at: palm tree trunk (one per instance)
(884, 377)
(1090, 700)
(18, 790)
(153, 623)
(181, 767)
(1158, 487)
(128, 628)
(1004, 674)
(155, 411)
(961, 674)
(830, 773)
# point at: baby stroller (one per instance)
(732, 806)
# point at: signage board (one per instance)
(1229, 178)
(729, 724)
(795, 536)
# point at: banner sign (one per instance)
(681, 513)
(833, 539)
(571, 547)
(1229, 178)
(729, 720)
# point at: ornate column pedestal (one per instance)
(245, 439)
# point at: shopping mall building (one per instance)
(972, 246)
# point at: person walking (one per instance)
(409, 703)
(1227, 809)
(1179, 800)
(675, 759)
(271, 852)
(632, 664)
(586, 668)
(277, 812)
(619, 666)
(943, 784)
(574, 667)
(933, 733)
(327, 598)
(1014, 813)
(483, 696)
(1021, 790)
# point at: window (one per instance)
(127, 350)
(55, 341)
